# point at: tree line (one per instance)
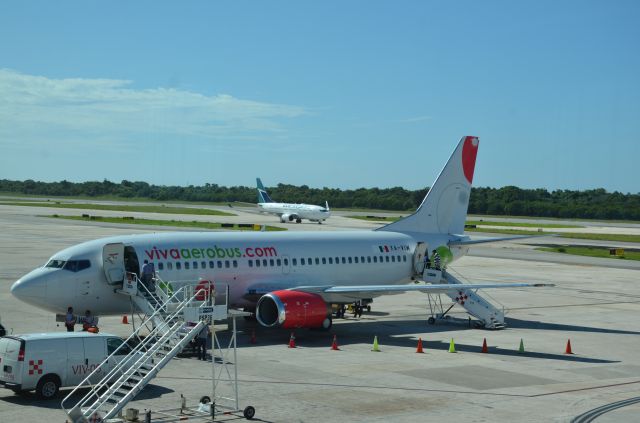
(509, 200)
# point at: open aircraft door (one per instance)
(418, 257)
(113, 263)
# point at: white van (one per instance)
(47, 361)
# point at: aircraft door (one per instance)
(286, 265)
(418, 258)
(113, 263)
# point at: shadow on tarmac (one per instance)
(32, 400)
(533, 324)
(398, 334)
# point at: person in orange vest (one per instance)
(89, 321)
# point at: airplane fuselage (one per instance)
(289, 211)
(250, 263)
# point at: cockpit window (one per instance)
(56, 264)
(77, 265)
(72, 265)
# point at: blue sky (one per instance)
(336, 93)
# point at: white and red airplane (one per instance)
(289, 278)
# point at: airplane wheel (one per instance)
(327, 323)
(298, 220)
(249, 412)
(431, 321)
(369, 309)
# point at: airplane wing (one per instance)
(463, 242)
(356, 292)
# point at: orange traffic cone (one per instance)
(568, 349)
(125, 320)
(334, 344)
(292, 341)
(419, 349)
(253, 336)
(484, 346)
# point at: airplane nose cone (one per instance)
(30, 287)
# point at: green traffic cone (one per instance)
(375, 348)
(521, 349)
(452, 346)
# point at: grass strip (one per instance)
(124, 208)
(573, 235)
(599, 252)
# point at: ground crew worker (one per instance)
(147, 275)
(70, 320)
(435, 259)
(89, 321)
(201, 342)
(427, 262)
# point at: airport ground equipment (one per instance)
(489, 315)
(169, 312)
(224, 399)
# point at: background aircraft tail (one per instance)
(444, 208)
(263, 197)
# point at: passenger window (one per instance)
(356, 259)
(227, 264)
(324, 260)
(337, 260)
(404, 258)
(219, 264)
(286, 262)
(169, 265)
(279, 262)
(264, 262)
(294, 262)
(309, 262)
(235, 263)
(161, 266)
(317, 261)
(257, 263)
(271, 263)
(387, 259)
(178, 265)
(203, 265)
(361, 259)
(250, 263)
(186, 264)
(302, 262)
(344, 260)
(195, 264)
(350, 260)
(375, 259)
(393, 259)
(211, 264)
(330, 260)
(368, 259)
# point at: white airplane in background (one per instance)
(289, 212)
(289, 278)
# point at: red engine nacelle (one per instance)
(293, 309)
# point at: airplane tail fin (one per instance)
(444, 208)
(326, 205)
(263, 197)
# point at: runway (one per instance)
(595, 304)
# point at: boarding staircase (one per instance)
(176, 318)
(489, 315)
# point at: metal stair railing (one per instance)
(168, 325)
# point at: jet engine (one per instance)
(293, 309)
(289, 217)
